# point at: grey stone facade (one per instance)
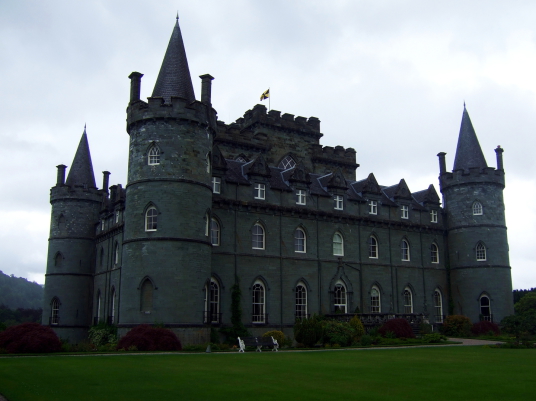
(261, 201)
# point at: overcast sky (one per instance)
(387, 78)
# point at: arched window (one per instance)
(214, 233)
(58, 260)
(287, 162)
(212, 301)
(55, 311)
(485, 308)
(404, 247)
(98, 317)
(301, 301)
(372, 247)
(338, 245)
(101, 261)
(438, 306)
(480, 252)
(112, 309)
(339, 298)
(408, 301)
(151, 219)
(375, 304)
(477, 209)
(259, 306)
(61, 223)
(153, 156)
(434, 253)
(209, 163)
(300, 241)
(146, 304)
(207, 224)
(116, 254)
(257, 237)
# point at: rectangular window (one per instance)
(433, 216)
(300, 197)
(373, 207)
(117, 213)
(339, 205)
(260, 191)
(216, 185)
(405, 212)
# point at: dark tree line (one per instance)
(518, 294)
(17, 292)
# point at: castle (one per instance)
(260, 202)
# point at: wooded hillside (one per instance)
(17, 292)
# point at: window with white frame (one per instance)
(477, 209)
(300, 197)
(372, 247)
(209, 163)
(373, 207)
(260, 191)
(338, 245)
(259, 303)
(212, 301)
(434, 253)
(112, 309)
(375, 304)
(339, 202)
(301, 301)
(216, 185)
(287, 162)
(98, 308)
(116, 254)
(151, 219)
(153, 156)
(485, 308)
(241, 159)
(404, 248)
(207, 225)
(102, 225)
(257, 237)
(55, 311)
(339, 298)
(117, 214)
(408, 301)
(438, 306)
(405, 212)
(433, 216)
(214, 233)
(146, 304)
(480, 252)
(299, 241)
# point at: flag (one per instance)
(265, 94)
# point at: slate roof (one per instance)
(174, 76)
(81, 171)
(468, 152)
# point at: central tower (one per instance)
(167, 251)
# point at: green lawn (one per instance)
(443, 373)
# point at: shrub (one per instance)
(147, 338)
(457, 325)
(485, 327)
(366, 340)
(308, 331)
(357, 326)
(102, 334)
(29, 338)
(433, 338)
(400, 327)
(336, 332)
(425, 328)
(526, 304)
(278, 335)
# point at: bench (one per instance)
(258, 342)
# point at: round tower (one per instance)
(69, 278)
(166, 247)
(480, 274)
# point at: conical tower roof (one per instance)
(468, 152)
(81, 171)
(174, 76)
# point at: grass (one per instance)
(442, 373)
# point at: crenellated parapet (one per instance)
(473, 175)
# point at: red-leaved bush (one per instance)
(400, 327)
(147, 338)
(29, 338)
(485, 327)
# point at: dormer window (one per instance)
(373, 207)
(287, 162)
(433, 216)
(477, 209)
(260, 191)
(154, 156)
(216, 185)
(300, 197)
(405, 212)
(339, 204)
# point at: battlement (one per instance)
(77, 193)
(472, 175)
(259, 114)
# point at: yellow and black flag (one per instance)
(265, 94)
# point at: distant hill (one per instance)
(17, 292)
